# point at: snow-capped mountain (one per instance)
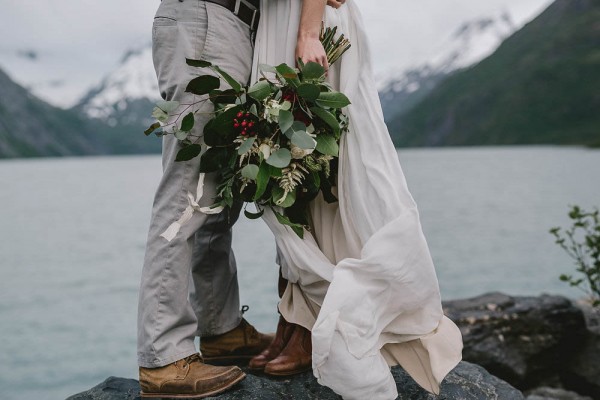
(470, 43)
(125, 96)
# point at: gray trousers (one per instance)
(189, 285)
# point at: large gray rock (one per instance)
(466, 382)
(547, 393)
(526, 341)
(583, 369)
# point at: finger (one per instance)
(325, 63)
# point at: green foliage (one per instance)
(188, 152)
(203, 84)
(582, 243)
(262, 139)
(333, 100)
(540, 87)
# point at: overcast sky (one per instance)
(78, 41)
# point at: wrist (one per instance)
(309, 34)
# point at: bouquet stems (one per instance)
(334, 48)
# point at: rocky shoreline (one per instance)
(515, 347)
(546, 346)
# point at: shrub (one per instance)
(582, 243)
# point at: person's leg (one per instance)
(167, 322)
(225, 337)
(214, 291)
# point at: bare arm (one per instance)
(309, 47)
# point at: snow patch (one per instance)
(134, 79)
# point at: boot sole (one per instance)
(224, 361)
(192, 396)
(288, 373)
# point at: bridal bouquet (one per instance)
(274, 143)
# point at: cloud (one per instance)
(80, 41)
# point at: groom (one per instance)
(189, 285)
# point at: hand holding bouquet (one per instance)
(274, 143)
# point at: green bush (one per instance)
(582, 243)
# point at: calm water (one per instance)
(73, 231)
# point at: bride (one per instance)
(359, 292)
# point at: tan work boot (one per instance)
(237, 346)
(187, 378)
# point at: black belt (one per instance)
(246, 10)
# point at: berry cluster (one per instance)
(289, 96)
(244, 124)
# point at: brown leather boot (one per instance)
(296, 357)
(187, 378)
(237, 346)
(282, 336)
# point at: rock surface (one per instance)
(583, 370)
(466, 381)
(547, 393)
(526, 341)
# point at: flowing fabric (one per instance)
(362, 280)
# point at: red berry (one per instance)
(240, 114)
(236, 125)
(250, 124)
(244, 123)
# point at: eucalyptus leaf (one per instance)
(228, 96)
(246, 145)
(181, 135)
(312, 70)
(333, 100)
(286, 71)
(328, 118)
(197, 63)
(160, 114)
(327, 144)
(289, 74)
(286, 120)
(309, 91)
(303, 140)
(235, 85)
(260, 90)
(219, 131)
(188, 152)
(267, 68)
(214, 159)
(297, 228)
(280, 159)
(275, 172)
(288, 201)
(167, 106)
(297, 126)
(262, 180)
(254, 110)
(152, 128)
(250, 171)
(203, 84)
(188, 122)
(257, 215)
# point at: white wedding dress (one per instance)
(363, 282)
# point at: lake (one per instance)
(73, 231)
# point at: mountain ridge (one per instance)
(30, 127)
(536, 88)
